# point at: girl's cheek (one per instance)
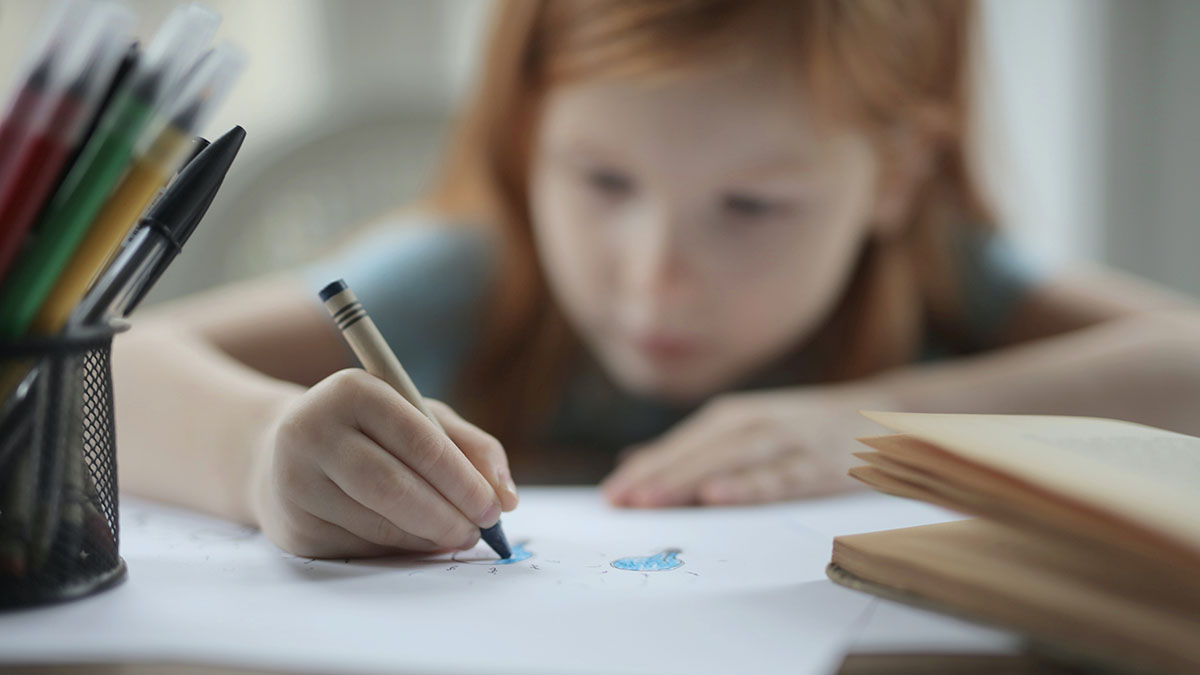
(578, 247)
(767, 253)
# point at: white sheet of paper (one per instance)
(731, 590)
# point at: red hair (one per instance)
(879, 66)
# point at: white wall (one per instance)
(1100, 101)
(1151, 189)
(1045, 88)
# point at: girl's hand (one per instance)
(352, 469)
(750, 448)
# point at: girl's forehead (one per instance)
(742, 115)
(746, 89)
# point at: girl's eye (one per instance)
(746, 206)
(609, 183)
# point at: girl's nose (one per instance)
(656, 266)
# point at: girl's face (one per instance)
(694, 230)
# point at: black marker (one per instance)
(161, 233)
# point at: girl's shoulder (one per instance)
(424, 280)
(995, 274)
(420, 258)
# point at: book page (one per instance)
(1172, 459)
(1146, 475)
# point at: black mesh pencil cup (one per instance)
(58, 472)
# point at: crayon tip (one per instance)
(494, 536)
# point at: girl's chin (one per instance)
(676, 383)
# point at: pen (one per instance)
(101, 164)
(21, 115)
(35, 166)
(41, 97)
(138, 292)
(165, 229)
(160, 234)
(118, 81)
(35, 88)
(199, 143)
(377, 358)
(7, 407)
(149, 274)
(88, 65)
(162, 149)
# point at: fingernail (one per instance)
(672, 497)
(647, 497)
(490, 516)
(507, 481)
(613, 487)
(615, 497)
(606, 486)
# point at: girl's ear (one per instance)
(905, 164)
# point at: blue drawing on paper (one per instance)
(659, 562)
(519, 553)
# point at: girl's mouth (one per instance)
(666, 347)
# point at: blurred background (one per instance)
(1088, 130)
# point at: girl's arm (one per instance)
(198, 384)
(213, 413)
(1096, 345)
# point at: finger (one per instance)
(332, 505)
(404, 432)
(675, 448)
(652, 458)
(482, 450)
(629, 478)
(625, 486)
(309, 536)
(669, 473)
(731, 452)
(374, 478)
(789, 478)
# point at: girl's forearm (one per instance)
(1144, 369)
(190, 420)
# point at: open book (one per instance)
(1087, 538)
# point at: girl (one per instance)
(691, 238)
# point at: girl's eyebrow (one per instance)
(768, 166)
(779, 166)
(577, 148)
